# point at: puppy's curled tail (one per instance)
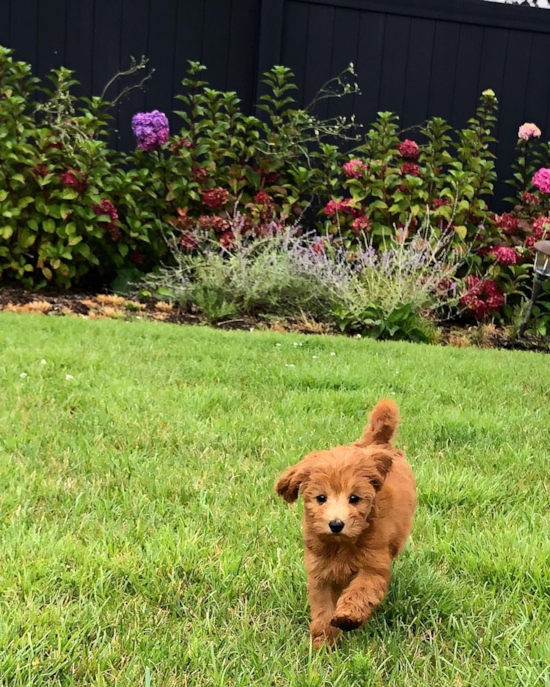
(383, 423)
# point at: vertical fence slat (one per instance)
(345, 41)
(319, 54)
(24, 31)
(394, 65)
(5, 11)
(443, 68)
(79, 50)
(215, 48)
(51, 35)
(243, 50)
(370, 56)
(295, 44)
(161, 49)
(466, 91)
(418, 78)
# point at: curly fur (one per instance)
(349, 571)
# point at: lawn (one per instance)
(142, 542)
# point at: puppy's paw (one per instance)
(346, 622)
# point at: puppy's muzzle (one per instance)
(336, 526)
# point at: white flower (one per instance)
(23, 375)
(69, 377)
(332, 353)
(314, 357)
(358, 336)
(278, 345)
(290, 365)
(393, 393)
(42, 362)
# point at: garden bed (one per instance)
(95, 306)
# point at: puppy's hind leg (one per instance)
(322, 601)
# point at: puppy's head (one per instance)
(339, 488)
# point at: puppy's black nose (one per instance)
(336, 526)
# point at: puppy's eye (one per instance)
(354, 498)
(321, 498)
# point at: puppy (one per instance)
(359, 503)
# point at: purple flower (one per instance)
(151, 129)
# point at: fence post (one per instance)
(270, 41)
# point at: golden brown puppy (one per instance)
(359, 504)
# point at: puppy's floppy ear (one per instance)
(289, 483)
(382, 462)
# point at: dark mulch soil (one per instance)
(92, 305)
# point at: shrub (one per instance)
(394, 295)
(65, 199)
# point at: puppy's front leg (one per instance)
(322, 601)
(360, 598)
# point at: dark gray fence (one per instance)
(417, 58)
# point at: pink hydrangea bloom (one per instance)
(354, 169)
(504, 255)
(411, 169)
(528, 130)
(541, 179)
(409, 149)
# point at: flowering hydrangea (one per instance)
(439, 202)
(74, 179)
(361, 224)
(541, 230)
(41, 170)
(151, 129)
(189, 240)
(354, 169)
(411, 169)
(107, 208)
(504, 255)
(215, 197)
(217, 224)
(200, 175)
(541, 179)
(530, 198)
(528, 130)
(409, 149)
(343, 206)
(331, 208)
(507, 222)
(227, 240)
(263, 198)
(483, 297)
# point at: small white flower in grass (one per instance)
(290, 365)
(278, 345)
(42, 362)
(358, 336)
(69, 377)
(23, 375)
(393, 393)
(332, 353)
(314, 357)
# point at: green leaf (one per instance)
(69, 194)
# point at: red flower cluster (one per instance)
(504, 255)
(483, 297)
(200, 175)
(409, 150)
(217, 224)
(215, 197)
(41, 170)
(530, 198)
(354, 169)
(227, 240)
(180, 143)
(263, 198)
(411, 169)
(439, 202)
(107, 208)
(74, 179)
(343, 206)
(189, 241)
(54, 144)
(541, 230)
(507, 222)
(361, 224)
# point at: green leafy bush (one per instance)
(66, 203)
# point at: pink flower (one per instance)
(409, 150)
(189, 241)
(361, 224)
(482, 297)
(411, 169)
(74, 179)
(541, 179)
(439, 202)
(348, 209)
(215, 197)
(530, 198)
(332, 207)
(217, 224)
(507, 222)
(263, 198)
(528, 130)
(354, 169)
(504, 255)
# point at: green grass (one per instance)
(142, 543)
